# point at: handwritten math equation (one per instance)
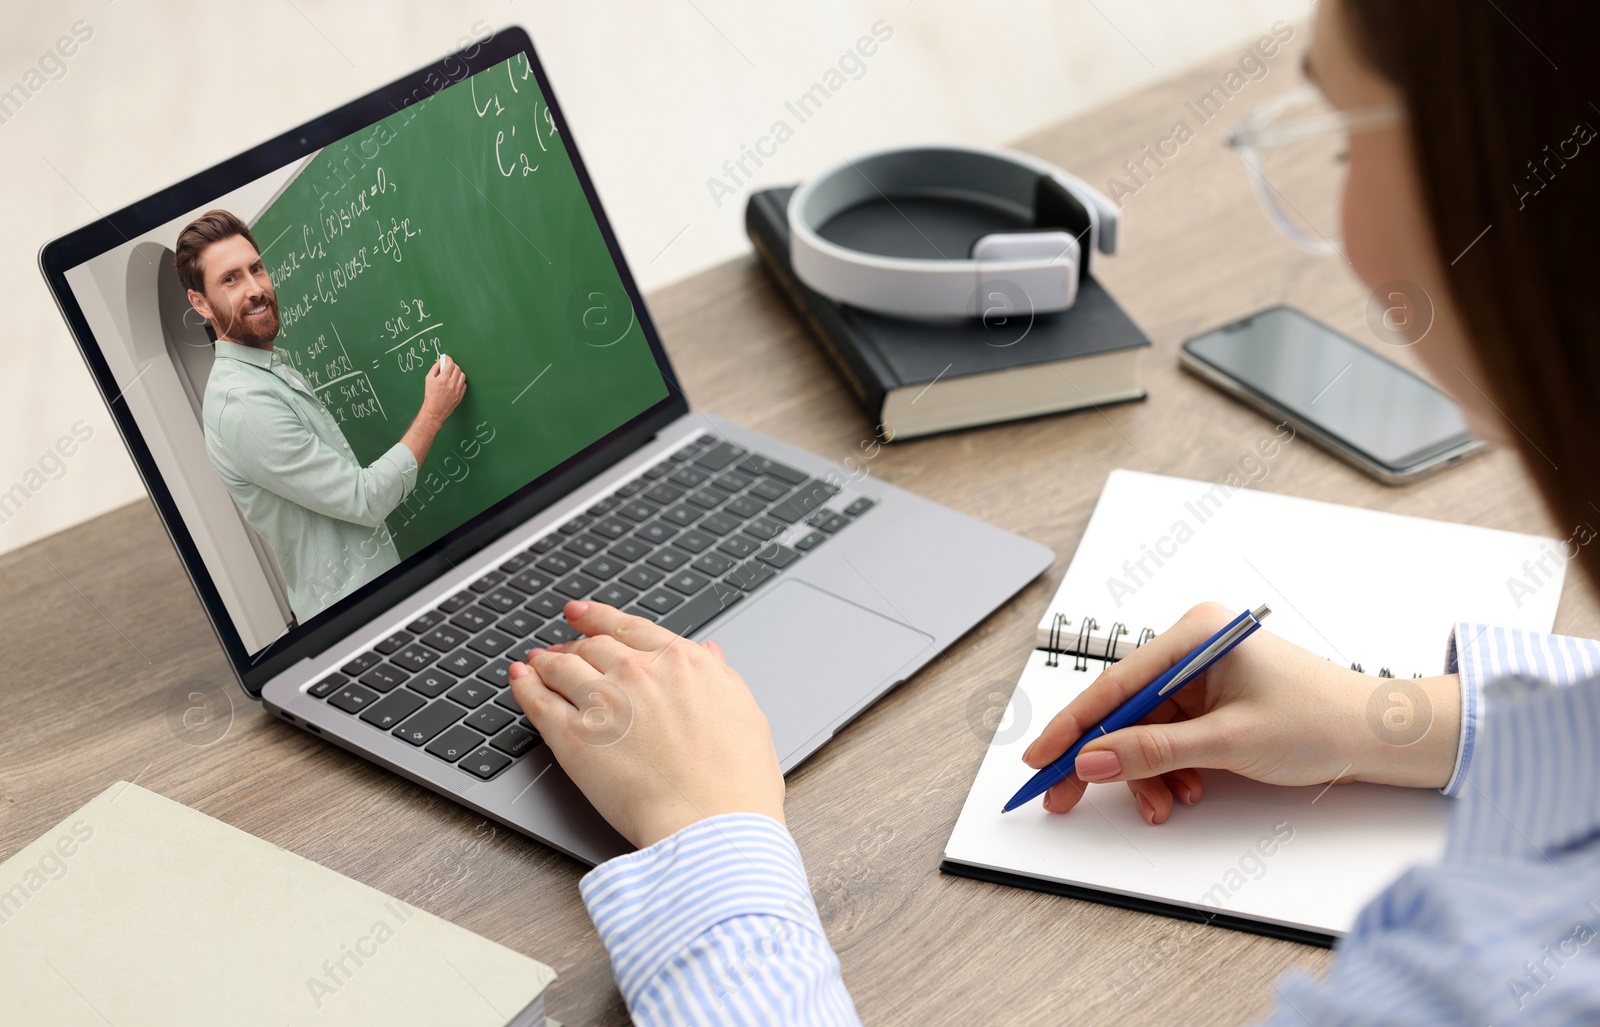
(389, 240)
(327, 368)
(314, 261)
(413, 337)
(511, 157)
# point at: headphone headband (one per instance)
(1045, 265)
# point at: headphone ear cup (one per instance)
(1036, 270)
(1047, 247)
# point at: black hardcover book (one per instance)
(918, 377)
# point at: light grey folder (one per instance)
(140, 912)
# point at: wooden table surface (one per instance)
(111, 671)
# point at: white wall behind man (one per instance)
(659, 95)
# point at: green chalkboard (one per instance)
(457, 226)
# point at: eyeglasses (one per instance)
(1295, 148)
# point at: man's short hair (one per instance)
(212, 226)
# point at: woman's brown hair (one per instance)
(1498, 97)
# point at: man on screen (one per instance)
(279, 451)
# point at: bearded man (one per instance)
(279, 452)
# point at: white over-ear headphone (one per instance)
(1069, 218)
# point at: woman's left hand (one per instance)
(657, 731)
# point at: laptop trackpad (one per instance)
(810, 657)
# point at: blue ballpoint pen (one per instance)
(1145, 700)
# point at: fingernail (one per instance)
(1047, 802)
(577, 608)
(1185, 794)
(517, 670)
(1027, 754)
(1147, 810)
(1097, 766)
(531, 652)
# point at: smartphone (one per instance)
(1364, 409)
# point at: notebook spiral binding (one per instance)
(1085, 645)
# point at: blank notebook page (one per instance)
(1355, 586)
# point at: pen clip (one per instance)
(1247, 624)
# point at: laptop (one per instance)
(449, 217)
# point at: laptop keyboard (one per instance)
(678, 545)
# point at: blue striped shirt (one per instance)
(717, 925)
(1505, 929)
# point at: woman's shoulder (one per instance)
(1482, 941)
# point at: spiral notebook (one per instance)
(1374, 590)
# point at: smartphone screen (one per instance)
(1321, 378)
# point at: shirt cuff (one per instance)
(651, 904)
(1465, 661)
(1483, 653)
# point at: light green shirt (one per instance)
(288, 466)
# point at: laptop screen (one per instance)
(288, 348)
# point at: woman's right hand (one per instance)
(1268, 710)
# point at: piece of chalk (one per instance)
(443, 360)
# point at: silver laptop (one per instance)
(449, 215)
